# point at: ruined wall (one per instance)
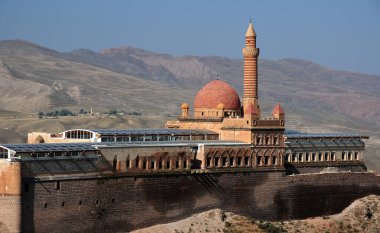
(125, 203)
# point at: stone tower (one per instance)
(250, 54)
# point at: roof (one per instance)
(217, 92)
(48, 147)
(278, 109)
(173, 132)
(250, 30)
(302, 145)
(289, 134)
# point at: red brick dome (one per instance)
(217, 92)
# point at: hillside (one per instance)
(363, 215)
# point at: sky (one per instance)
(339, 34)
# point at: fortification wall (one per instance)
(10, 197)
(126, 203)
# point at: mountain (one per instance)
(34, 78)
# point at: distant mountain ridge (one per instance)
(131, 78)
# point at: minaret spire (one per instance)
(250, 54)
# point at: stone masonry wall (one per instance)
(124, 203)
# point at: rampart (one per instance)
(124, 203)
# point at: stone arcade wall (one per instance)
(117, 204)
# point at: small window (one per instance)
(232, 160)
(152, 164)
(128, 163)
(26, 187)
(97, 202)
(144, 164)
(216, 162)
(80, 202)
(274, 160)
(287, 158)
(63, 204)
(168, 164)
(113, 200)
(184, 163)
(246, 161)
(266, 160)
(356, 156)
(58, 186)
(275, 140)
(239, 161)
(137, 161)
(258, 140)
(208, 162)
(267, 140)
(176, 164)
(46, 205)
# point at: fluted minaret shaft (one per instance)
(250, 54)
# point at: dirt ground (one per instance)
(363, 215)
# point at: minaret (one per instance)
(250, 54)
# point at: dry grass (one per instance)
(363, 215)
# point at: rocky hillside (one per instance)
(363, 215)
(34, 78)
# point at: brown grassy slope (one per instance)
(59, 83)
(363, 215)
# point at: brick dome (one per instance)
(217, 92)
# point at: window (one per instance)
(128, 163)
(97, 202)
(275, 140)
(294, 157)
(356, 156)
(274, 160)
(350, 155)
(232, 161)
(184, 163)
(217, 162)
(320, 156)
(326, 156)
(137, 162)
(152, 164)
(80, 202)
(266, 160)
(307, 157)
(58, 185)
(176, 164)
(26, 187)
(224, 161)
(160, 164)
(287, 157)
(144, 164)
(208, 162)
(167, 164)
(239, 161)
(267, 140)
(314, 157)
(63, 204)
(258, 160)
(113, 200)
(46, 205)
(332, 156)
(258, 140)
(246, 161)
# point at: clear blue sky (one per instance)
(343, 35)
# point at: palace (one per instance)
(226, 155)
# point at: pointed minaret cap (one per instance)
(250, 30)
(278, 110)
